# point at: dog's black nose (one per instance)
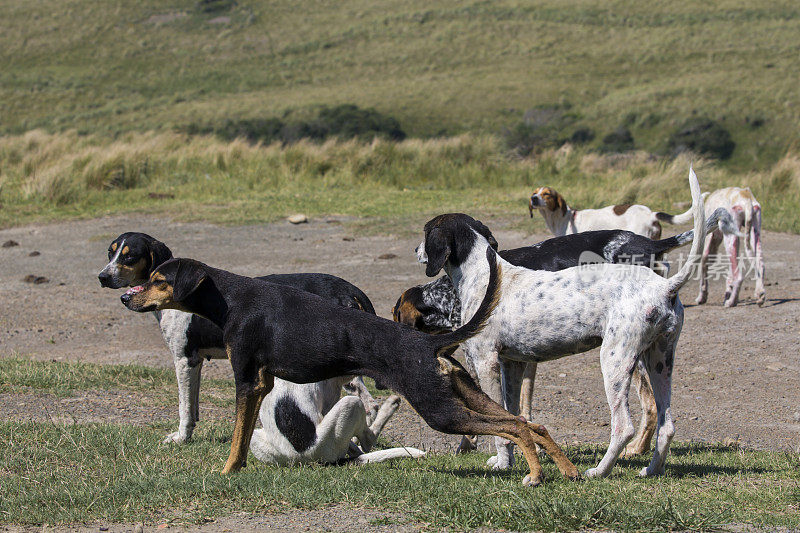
(105, 279)
(534, 201)
(125, 299)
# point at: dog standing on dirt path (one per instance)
(630, 312)
(561, 219)
(435, 307)
(310, 410)
(273, 331)
(746, 211)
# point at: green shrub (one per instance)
(344, 121)
(702, 136)
(618, 141)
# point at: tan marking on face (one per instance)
(114, 246)
(132, 272)
(406, 313)
(157, 293)
(552, 199)
(125, 250)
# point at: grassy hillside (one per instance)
(437, 66)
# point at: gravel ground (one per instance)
(736, 374)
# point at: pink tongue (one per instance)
(134, 290)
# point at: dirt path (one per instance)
(737, 371)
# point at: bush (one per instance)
(345, 121)
(702, 136)
(618, 141)
(542, 127)
(582, 136)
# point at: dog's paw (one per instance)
(634, 449)
(176, 438)
(467, 444)
(760, 299)
(701, 299)
(498, 464)
(529, 481)
(648, 472)
(593, 472)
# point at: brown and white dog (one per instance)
(746, 212)
(561, 219)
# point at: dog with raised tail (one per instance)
(561, 219)
(631, 313)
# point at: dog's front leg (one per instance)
(487, 367)
(248, 401)
(188, 378)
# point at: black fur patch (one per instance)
(295, 425)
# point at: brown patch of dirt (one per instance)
(737, 374)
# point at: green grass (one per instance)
(53, 473)
(64, 474)
(438, 66)
(19, 374)
(54, 177)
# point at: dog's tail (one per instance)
(720, 218)
(447, 343)
(678, 280)
(683, 218)
(386, 455)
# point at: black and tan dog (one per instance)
(276, 331)
(133, 256)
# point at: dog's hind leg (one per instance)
(755, 240)
(659, 362)
(711, 247)
(248, 402)
(617, 363)
(481, 415)
(526, 394)
(734, 282)
(356, 387)
(647, 427)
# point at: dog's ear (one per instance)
(159, 253)
(487, 234)
(187, 280)
(562, 204)
(437, 248)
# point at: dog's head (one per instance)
(429, 308)
(132, 257)
(449, 239)
(172, 285)
(547, 198)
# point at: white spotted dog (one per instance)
(191, 339)
(311, 424)
(630, 312)
(746, 212)
(561, 219)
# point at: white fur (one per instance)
(746, 213)
(637, 218)
(546, 315)
(337, 422)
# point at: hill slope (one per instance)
(437, 66)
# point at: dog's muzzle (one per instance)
(533, 204)
(126, 298)
(422, 257)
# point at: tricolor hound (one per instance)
(272, 330)
(561, 219)
(301, 422)
(630, 312)
(435, 308)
